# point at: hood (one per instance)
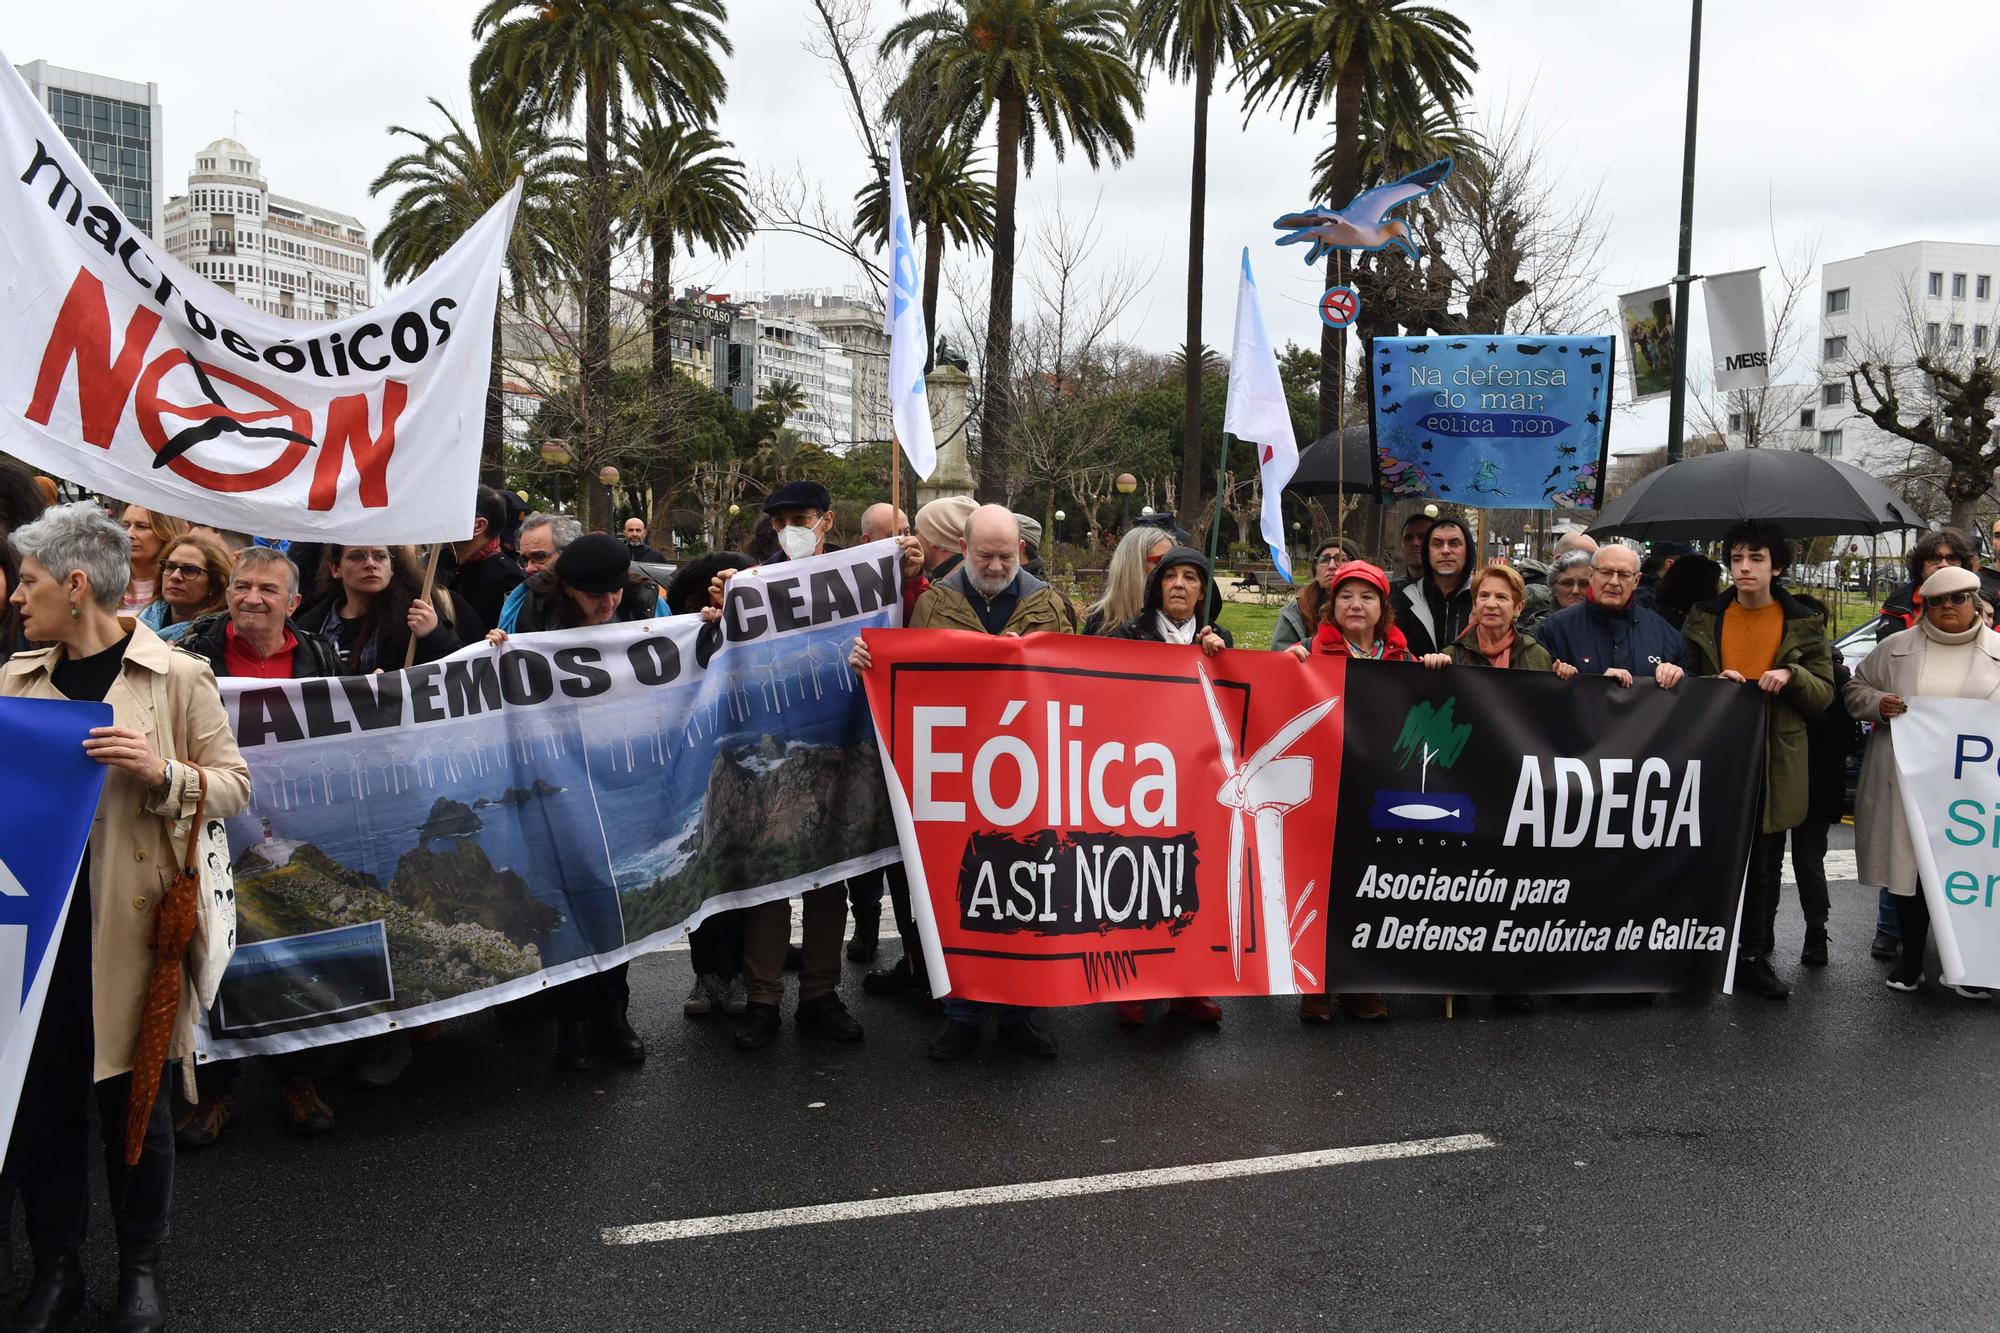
(1211, 608)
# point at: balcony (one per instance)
(222, 245)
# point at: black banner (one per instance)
(1507, 832)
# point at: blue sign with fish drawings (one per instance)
(1492, 421)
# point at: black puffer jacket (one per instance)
(207, 639)
(1145, 626)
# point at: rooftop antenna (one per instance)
(235, 126)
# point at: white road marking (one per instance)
(1839, 866)
(1070, 1188)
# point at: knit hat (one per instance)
(942, 521)
(1366, 573)
(595, 563)
(1031, 531)
(1949, 578)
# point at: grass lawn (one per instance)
(1249, 623)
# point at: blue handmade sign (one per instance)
(1492, 421)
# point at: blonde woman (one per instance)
(152, 535)
(1133, 560)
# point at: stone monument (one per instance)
(948, 387)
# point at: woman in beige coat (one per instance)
(1948, 652)
(168, 735)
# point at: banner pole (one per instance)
(895, 479)
(1215, 523)
(1340, 414)
(430, 578)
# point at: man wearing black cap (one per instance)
(800, 514)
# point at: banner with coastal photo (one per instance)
(426, 843)
(1948, 766)
(1648, 320)
(1508, 832)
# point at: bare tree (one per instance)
(1956, 425)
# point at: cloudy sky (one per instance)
(1840, 125)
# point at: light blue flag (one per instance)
(909, 341)
(1258, 414)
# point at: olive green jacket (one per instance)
(1804, 650)
(1526, 656)
(1039, 608)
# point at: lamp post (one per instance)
(1059, 516)
(1126, 484)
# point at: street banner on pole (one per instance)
(1948, 761)
(1736, 329)
(1648, 320)
(1493, 421)
(1257, 414)
(1063, 848)
(49, 789)
(1507, 832)
(126, 371)
(429, 842)
(909, 340)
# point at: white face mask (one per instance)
(797, 543)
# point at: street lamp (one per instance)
(556, 454)
(1145, 511)
(1126, 484)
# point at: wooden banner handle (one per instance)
(430, 578)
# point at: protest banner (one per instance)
(1648, 320)
(429, 842)
(127, 372)
(1087, 819)
(1508, 832)
(49, 789)
(1948, 766)
(1492, 422)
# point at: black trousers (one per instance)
(716, 946)
(1760, 896)
(49, 1157)
(601, 995)
(898, 884)
(1809, 864)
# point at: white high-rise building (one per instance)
(850, 319)
(291, 258)
(766, 346)
(1883, 307)
(116, 128)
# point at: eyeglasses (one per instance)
(1573, 584)
(1950, 598)
(1618, 575)
(185, 571)
(1330, 558)
(361, 557)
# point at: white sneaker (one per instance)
(735, 999)
(1974, 993)
(700, 1000)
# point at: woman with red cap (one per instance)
(1360, 624)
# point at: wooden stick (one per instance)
(430, 578)
(1447, 1007)
(1340, 416)
(895, 478)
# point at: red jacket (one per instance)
(1329, 639)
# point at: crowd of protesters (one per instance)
(145, 611)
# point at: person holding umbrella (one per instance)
(1758, 634)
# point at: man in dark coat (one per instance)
(1607, 634)
(480, 572)
(1435, 609)
(635, 542)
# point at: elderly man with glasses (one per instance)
(1610, 635)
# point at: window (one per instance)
(1805, 418)
(1979, 336)
(1832, 395)
(1982, 287)
(1735, 423)
(1931, 332)
(1835, 349)
(1958, 286)
(1829, 443)
(1956, 337)
(1836, 301)
(1935, 285)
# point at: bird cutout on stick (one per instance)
(1364, 223)
(1590, 351)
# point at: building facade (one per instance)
(850, 320)
(767, 347)
(281, 255)
(1883, 307)
(116, 128)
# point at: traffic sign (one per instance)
(1340, 307)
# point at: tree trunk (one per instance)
(493, 444)
(1191, 442)
(933, 275)
(996, 408)
(596, 387)
(1346, 181)
(661, 327)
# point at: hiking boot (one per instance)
(735, 997)
(1814, 952)
(308, 1116)
(826, 1015)
(1755, 975)
(202, 1126)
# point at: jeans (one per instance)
(1886, 919)
(1760, 896)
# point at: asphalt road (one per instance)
(1829, 1162)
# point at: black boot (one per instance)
(141, 1308)
(572, 1044)
(1814, 952)
(613, 1035)
(867, 930)
(55, 1295)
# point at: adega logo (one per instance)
(1429, 737)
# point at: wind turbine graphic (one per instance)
(1263, 788)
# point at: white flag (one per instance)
(909, 341)
(1736, 329)
(126, 371)
(1257, 413)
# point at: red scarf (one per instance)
(1499, 656)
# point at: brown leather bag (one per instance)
(173, 928)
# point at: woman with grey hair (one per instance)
(1125, 579)
(1569, 581)
(167, 752)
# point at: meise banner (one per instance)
(1084, 821)
(1088, 819)
(429, 842)
(1508, 832)
(1948, 763)
(127, 371)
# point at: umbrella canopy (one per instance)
(1805, 494)
(1319, 465)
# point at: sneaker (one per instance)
(1884, 945)
(1755, 975)
(1907, 974)
(308, 1116)
(826, 1015)
(735, 998)
(202, 1126)
(1979, 993)
(1814, 953)
(384, 1060)
(701, 998)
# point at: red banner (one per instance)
(1085, 820)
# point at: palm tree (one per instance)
(597, 53)
(1399, 53)
(677, 187)
(1039, 68)
(950, 198)
(1189, 39)
(448, 182)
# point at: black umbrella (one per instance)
(1805, 494)
(1319, 465)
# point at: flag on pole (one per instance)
(903, 321)
(1257, 412)
(1736, 329)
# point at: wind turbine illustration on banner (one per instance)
(1264, 788)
